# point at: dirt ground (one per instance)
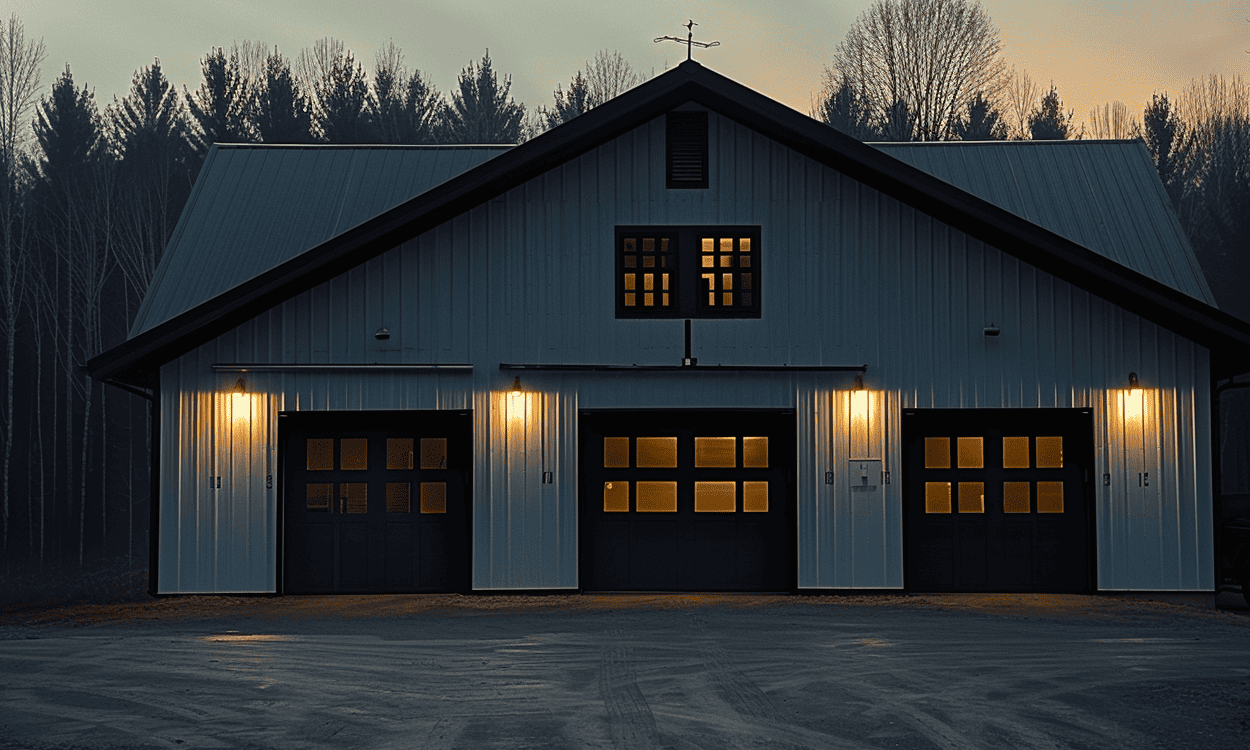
(628, 671)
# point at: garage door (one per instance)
(376, 501)
(687, 500)
(998, 499)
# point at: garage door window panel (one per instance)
(687, 272)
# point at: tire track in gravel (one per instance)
(630, 721)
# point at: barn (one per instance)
(692, 340)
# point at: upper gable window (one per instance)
(688, 272)
(686, 150)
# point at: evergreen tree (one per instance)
(220, 105)
(345, 102)
(1048, 122)
(280, 111)
(841, 107)
(899, 124)
(1168, 144)
(567, 106)
(480, 111)
(404, 107)
(68, 135)
(981, 122)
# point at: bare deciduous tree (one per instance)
(608, 76)
(1020, 96)
(1112, 120)
(934, 56)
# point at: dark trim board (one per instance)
(1019, 521)
(632, 459)
(375, 501)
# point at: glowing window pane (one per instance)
(711, 299)
(1017, 497)
(755, 497)
(1050, 453)
(971, 497)
(755, 452)
(664, 244)
(726, 281)
(648, 299)
(630, 281)
(726, 261)
(433, 453)
(744, 245)
(971, 455)
(709, 244)
(398, 497)
(318, 496)
(648, 261)
(715, 452)
(399, 453)
(937, 497)
(355, 454)
(320, 454)
(726, 245)
(665, 283)
(354, 497)
(1016, 453)
(629, 299)
(729, 299)
(709, 261)
(656, 497)
(616, 453)
(648, 244)
(433, 497)
(664, 296)
(657, 453)
(937, 453)
(631, 245)
(616, 497)
(1050, 497)
(715, 497)
(710, 278)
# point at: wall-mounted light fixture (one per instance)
(1132, 380)
(382, 334)
(859, 404)
(240, 404)
(516, 399)
(991, 330)
(1134, 399)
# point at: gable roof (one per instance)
(280, 201)
(1102, 194)
(136, 360)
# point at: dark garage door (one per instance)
(998, 499)
(376, 501)
(687, 500)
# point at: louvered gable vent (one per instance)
(687, 150)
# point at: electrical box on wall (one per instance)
(865, 479)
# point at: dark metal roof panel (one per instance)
(1104, 195)
(255, 207)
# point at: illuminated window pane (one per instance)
(318, 496)
(755, 452)
(354, 497)
(710, 278)
(937, 453)
(355, 454)
(1016, 453)
(726, 281)
(648, 299)
(937, 497)
(399, 453)
(631, 245)
(744, 244)
(709, 244)
(616, 453)
(755, 497)
(664, 297)
(656, 497)
(616, 497)
(1050, 497)
(665, 285)
(726, 261)
(320, 454)
(1049, 453)
(709, 261)
(648, 244)
(433, 497)
(711, 299)
(657, 453)
(398, 497)
(433, 453)
(729, 299)
(715, 497)
(1017, 497)
(664, 244)
(971, 455)
(726, 245)
(971, 497)
(648, 261)
(715, 452)
(630, 281)
(629, 299)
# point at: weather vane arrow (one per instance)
(689, 40)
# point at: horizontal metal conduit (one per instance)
(687, 368)
(351, 367)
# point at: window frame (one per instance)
(689, 301)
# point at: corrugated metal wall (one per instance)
(848, 277)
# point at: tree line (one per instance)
(935, 70)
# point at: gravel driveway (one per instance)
(679, 671)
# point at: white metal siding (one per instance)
(849, 277)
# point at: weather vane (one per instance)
(689, 40)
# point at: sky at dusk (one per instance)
(1094, 52)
